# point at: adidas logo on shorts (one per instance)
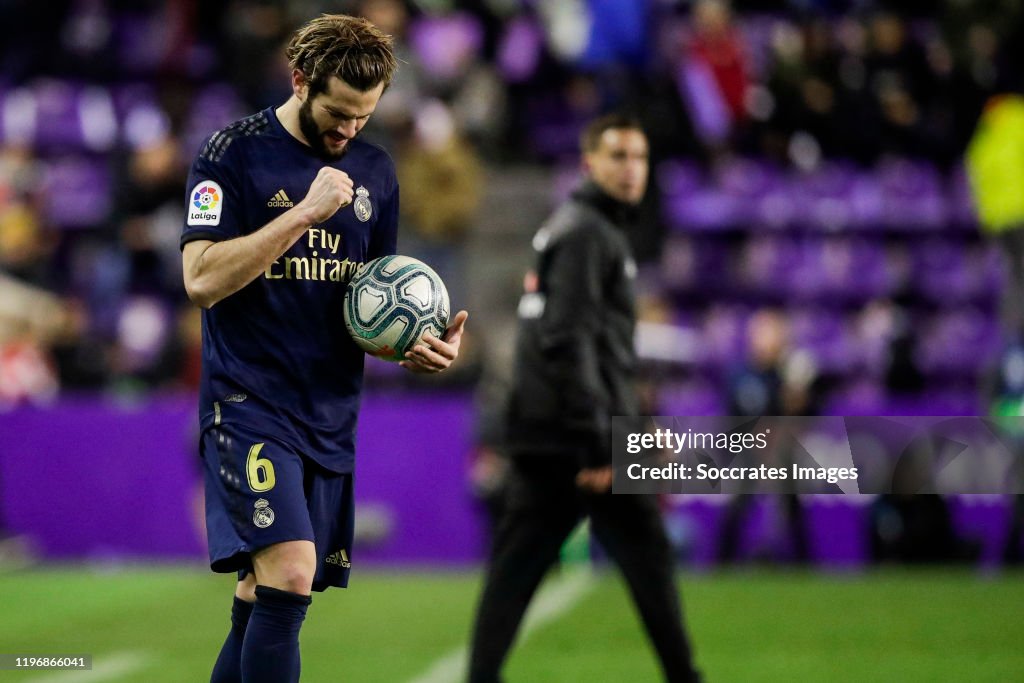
(339, 558)
(280, 200)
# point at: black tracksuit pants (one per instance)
(543, 507)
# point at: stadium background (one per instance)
(808, 208)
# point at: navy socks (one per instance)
(228, 668)
(270, 651)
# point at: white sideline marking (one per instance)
(555, 598)
(104, 668)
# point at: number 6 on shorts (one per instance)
(259, 471)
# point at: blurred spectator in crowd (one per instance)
(149, 209)
(810, 91)
(718, 46)
(32, 318)
(899, 83)
(775, 380)
(715, 73)
(393, 119)
(885, 327)
(442, 180)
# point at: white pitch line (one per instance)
(554, 599)
(104, 668)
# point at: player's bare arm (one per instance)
(435, 355)
(216, 270)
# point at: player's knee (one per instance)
(288, 568)
(292, 575)
(295, 577)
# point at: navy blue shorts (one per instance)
(260, 492)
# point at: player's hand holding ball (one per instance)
(397, 309)
(329, 191)
(433, 354)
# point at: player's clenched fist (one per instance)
(329, 191)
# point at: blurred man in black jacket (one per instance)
(575, 366)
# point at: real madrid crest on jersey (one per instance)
(362, 205)
(263, 516)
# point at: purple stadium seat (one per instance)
(912, 195)
(839, 270)
(80, 192)
(748, 182)
(58, 117)
(871, 272)
(827, 336)
(704, 209)
(775, 204)
(724, 338)
(693, 201)
(764, 262)
(946, 272)
(831, 198)
(804, 278)
(961, 343)
(58, 125)
(695, 265)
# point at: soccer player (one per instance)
(282, 208)
(574, 370)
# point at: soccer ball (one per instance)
(391, 302)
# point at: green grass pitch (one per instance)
(389, 627)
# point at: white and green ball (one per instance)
(391, 302)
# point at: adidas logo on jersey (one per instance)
(280, 200)
(339, 558)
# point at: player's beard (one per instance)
(314, 136)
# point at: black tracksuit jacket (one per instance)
(575, 358)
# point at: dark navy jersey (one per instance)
(276, 355)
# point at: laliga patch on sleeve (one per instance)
(205, 204)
